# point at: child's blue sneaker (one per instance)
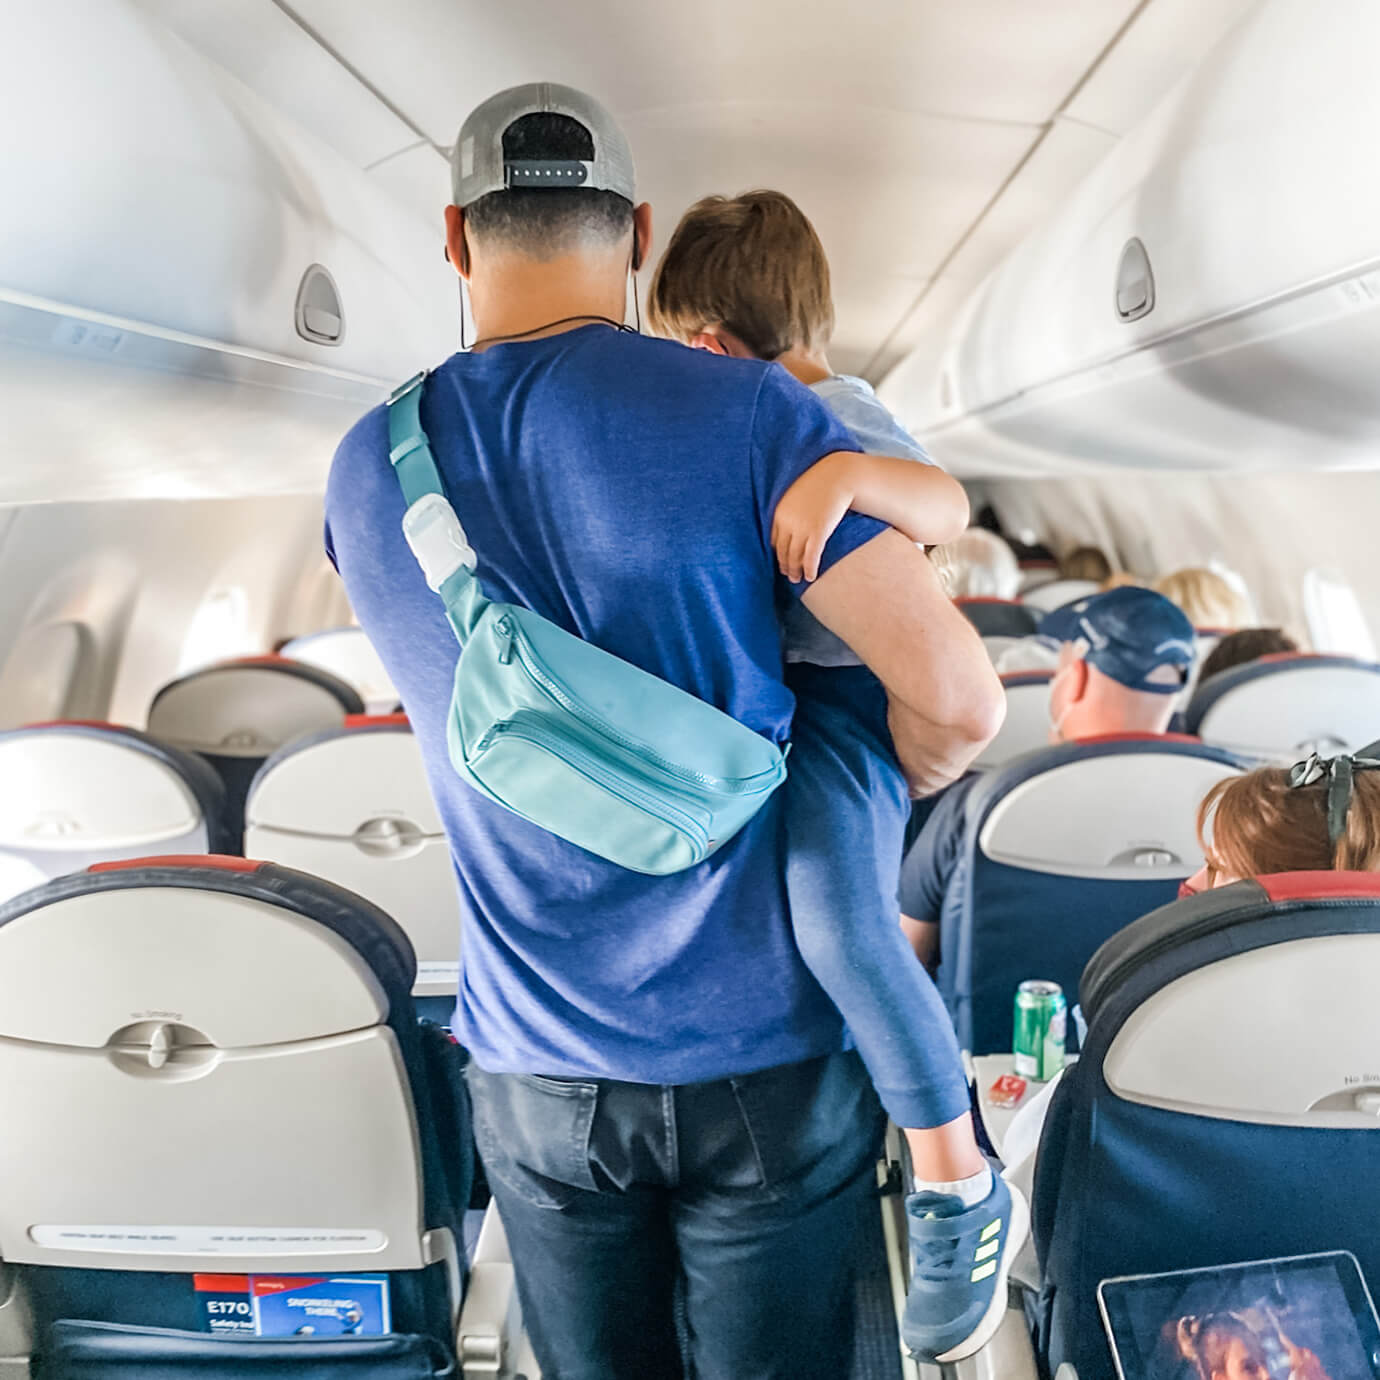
(959, 1261)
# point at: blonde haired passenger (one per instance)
(1208, 599)
(1085, 563)
(1122, 579)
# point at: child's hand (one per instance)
(807, 515)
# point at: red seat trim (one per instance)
(221, 862)
(376, 720)
(1321, 886)
(1274, 658)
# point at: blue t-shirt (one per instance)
(933, 873)
(622, 487)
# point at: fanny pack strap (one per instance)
(430, 525)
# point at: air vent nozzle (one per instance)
(319, 316)
(1135, 283)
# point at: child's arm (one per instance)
(920, 501)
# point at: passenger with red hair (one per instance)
(1320, 815)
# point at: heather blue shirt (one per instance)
(622, 487)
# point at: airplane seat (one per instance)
(1226, 1105)
(999, 617)
(1282, 707)
(235, 713)
(1026, 726)
(78, 792)
(348, 654)
(1035, 572)
(995, 645)
(1061, 849)
(352, 804)
(1054, 594)
(219, 1075)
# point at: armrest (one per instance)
(490, 1331)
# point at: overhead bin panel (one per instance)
(1209, 297)
(161, 219)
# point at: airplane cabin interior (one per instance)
(1111, 265)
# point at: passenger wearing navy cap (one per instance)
(1123, 658)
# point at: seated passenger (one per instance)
(1241, 648)
(1123, 658)
(747, 277)
(1123, 579)
(1085, 563)
(985, 567)
(1319, 815)
(1206, 597)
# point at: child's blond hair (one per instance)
(751, 264)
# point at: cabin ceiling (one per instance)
(923, 137)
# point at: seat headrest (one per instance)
(185, 940)
(1118, 808)
(339, 782)
(1054, 594)
(1254, 1002)
(250, 706)
(83, 787)
(348, 654)
(999, 617)
(1284, 706)
(1026, 726)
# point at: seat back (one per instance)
(235, 713)
(1036, 572)
(1026, 726)
(77, 793)
(352, 805)
(999, 617)
(349, 655)
(1225, 1105)
(1281, 708)
(1061, 849)
(216, 1066)
(1056, 593)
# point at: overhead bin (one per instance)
(1209, 297)
(186, 273)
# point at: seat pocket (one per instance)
(79, 1350)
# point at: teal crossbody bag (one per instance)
(580, 742)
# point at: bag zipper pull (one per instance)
(504, 627)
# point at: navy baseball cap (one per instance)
(1128, 633)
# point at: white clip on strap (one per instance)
(437, 540)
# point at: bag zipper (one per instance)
(590, 767)
(596, 722)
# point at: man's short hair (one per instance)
(1240, 648)
(751, 264)
(546, 222)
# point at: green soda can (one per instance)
(1041, 1019)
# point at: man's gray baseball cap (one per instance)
(477, 166)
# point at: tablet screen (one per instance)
(1303, 1318)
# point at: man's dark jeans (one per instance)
(739, 1200)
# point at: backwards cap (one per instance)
(1129, 633)
(477, 166)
